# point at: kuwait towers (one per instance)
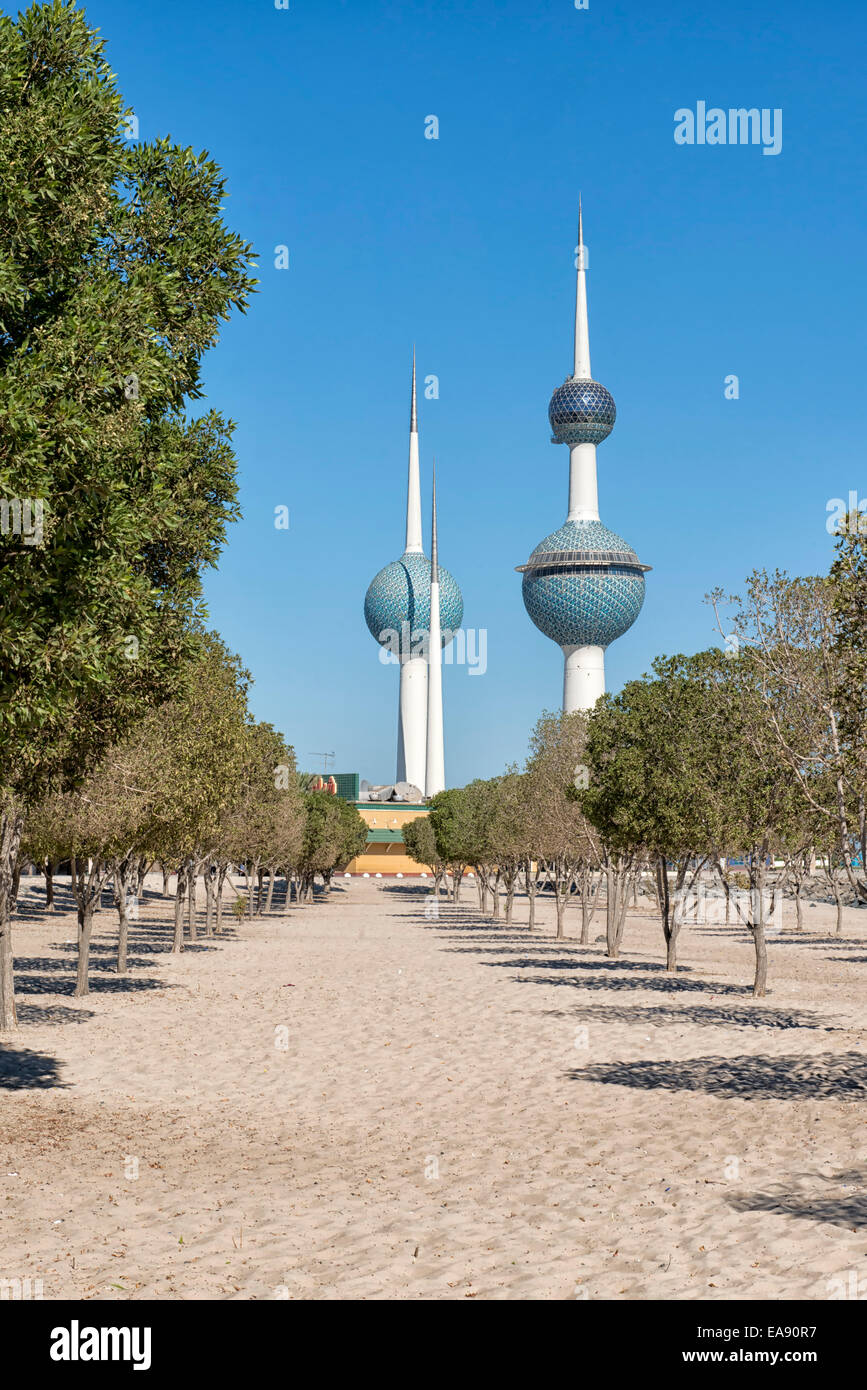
(412, 605)
(583, 585)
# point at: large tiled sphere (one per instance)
(400, 594)
(583, 605)
(581, 412)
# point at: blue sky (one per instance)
(704, 261)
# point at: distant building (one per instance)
(384, 852)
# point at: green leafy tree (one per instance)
(565, 839)
(652, 752)
(450, 815)
(115, 272)
(322, 841)
(203, 739)
(420, 844)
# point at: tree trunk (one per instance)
(799, 913)
(191, 902)
(85, 928)
(588, 906)
(122, 934)
(50, 866)
(210, 883)
(761, 960)
(838, 899)
(663, 892)
(615, 909)
(11, 825)
(180, 896)
(272, 874)
(611, 949)
(222, 871)
(560, 906)
(167, 873)
(531, 883)
(457, 880)
(495, 893)
(758, 924)
(510, 899)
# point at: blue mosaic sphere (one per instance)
(581, 412)
(400, 594)
(591, 591)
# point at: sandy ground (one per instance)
(353, 1101)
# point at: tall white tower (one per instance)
(583, 585)
(397, 610)
(436, 776)
(412, 711)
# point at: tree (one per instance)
(204, 741)
(511, 832)
(565, 839)
(352, 835)
(420, 844)
(755, 789)
(653, 751)
(802, 636)
(116, 271)
(322, 841)
(450, 818)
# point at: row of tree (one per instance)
(199, 787)
(124, 733)
(754, 753)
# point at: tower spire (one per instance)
(435, 766)
(414, 544)
(434, 566)
(582, 331)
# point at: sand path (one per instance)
(356, 1102)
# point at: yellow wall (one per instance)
(379, 858)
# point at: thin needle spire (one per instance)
(582, 331)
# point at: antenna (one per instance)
(326, 758)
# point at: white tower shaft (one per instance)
(414, 544)
(412, 722)
(436, 776)
(583, 489)
(584, 667)
(583, 677)
(412, 712)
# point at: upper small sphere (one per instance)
(581, 412)
(400, 594)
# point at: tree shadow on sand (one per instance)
(518, 947)
(622, 980)
(50, 1015)
(48, 975)
(824, 1076)
(22, 1070)
(705, 1015)
(847, 1206)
